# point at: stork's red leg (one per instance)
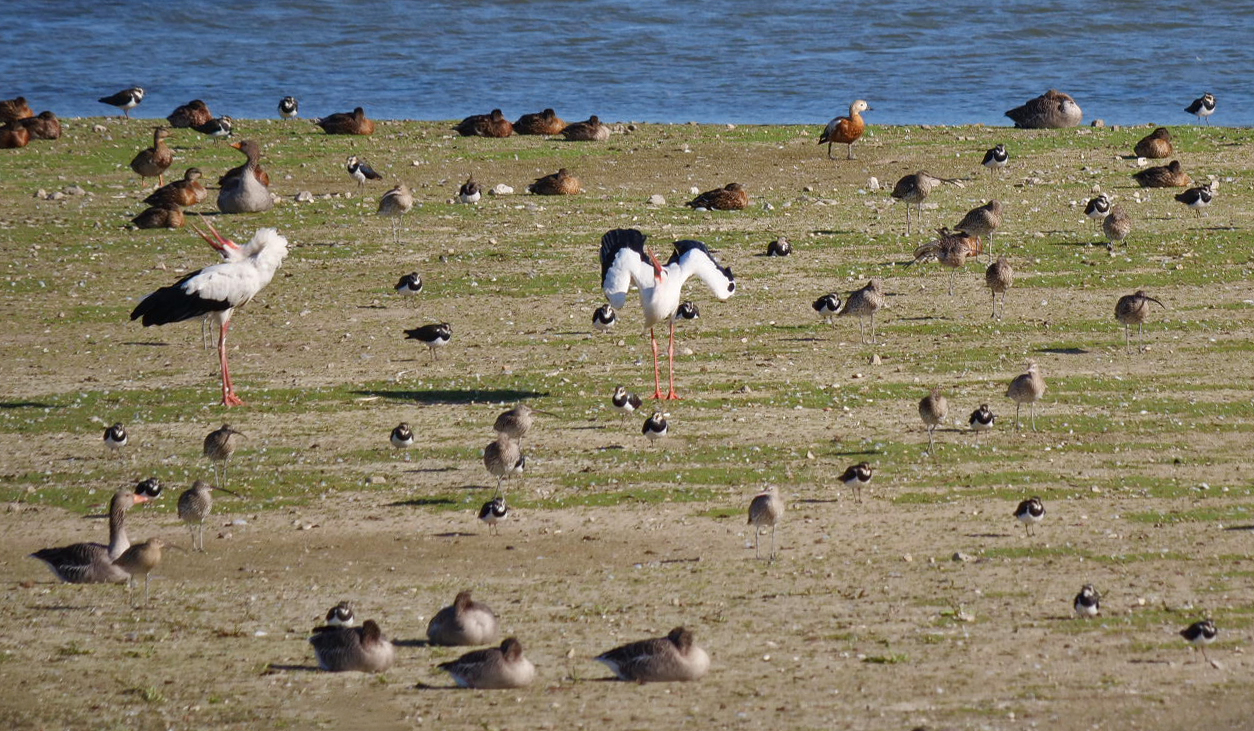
(657, 373)
(228, 391)
(670, 355)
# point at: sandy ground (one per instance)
(924, 605)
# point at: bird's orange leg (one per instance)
(670, 355)
(228, 391)
(657, 374)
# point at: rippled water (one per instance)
(743, 61)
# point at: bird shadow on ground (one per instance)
(455, 534)
(1239, 527)
(275, 668)
(469, 396)
(1063, 351)
(28, 405)
(150, 343)
(59, 607)
(859, 453)
(430, 470)
(423, 502)
(412, 643)
(816, 501)
(991, 535)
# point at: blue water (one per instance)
(744, 61)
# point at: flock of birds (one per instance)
(213, 293)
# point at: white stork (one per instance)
(625, 260)
(217, 290)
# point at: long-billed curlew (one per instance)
(516, 422)
(863, 303)
(983, 222)
(1117, 225)
(951, 249)
(139, 560)
(1027, 388)
(493, 668)
(932, 410)
(220, 444)
(394, 205)
(503, 458)
(1132, 309)
(194, 506)
(913, 189)
(675, 657)
(998, 278)
(764, 512)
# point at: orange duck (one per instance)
(152, 162)
(1164, 176)
(485, 125)
(1156, 145)
(347, 123)
(589, 130)
(846, 130)
(12, 110)
(544, 123)
(191, 114)
(183, 193)
(159, 217)
(46, 126)
(731, 197)
(561, 182)
(13, 135)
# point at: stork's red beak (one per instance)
(217, 242)
(657, 265)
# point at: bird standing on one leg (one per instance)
(625, 260)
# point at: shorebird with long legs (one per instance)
(126, 100)
(1197, 198)
(983, 222)
(914, 189)
(764, 512)
(140, 560)
(394, 205)
(503, 458)
(625, 260)
(863, 303)
(998, 278)
(492, 513)
(951, 249)
(217, 290)
(1027, 388)
(1133, 309)
(219, 445)
(516, 422)
(1117, 225)
(92, 563)
(194, 507)
(932, 410)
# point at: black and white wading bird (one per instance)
(858, 476)
(115, 437)
(1202, 107)
(1030, 512)
(827, 306)
(1200, 634)
(433, 336)
(217, 290)
(361, 171)
(982, 419)
(470, 191)
(409, 285)
(625, 260)
(996, 158)
(604, 318)
(625, 403)
(289, 107)
(1088, 602)
(126, 100)
(492, 513)
(655, 427)
(1197, 198)
(402, 436)
(341, 615)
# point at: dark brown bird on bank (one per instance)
(561, 182)
(951, 249)
(1171, 175)
(542, 123)
(11, 110)
(152, 162)
(347, 123)
(485, 125)
(1155, 145)
(589, 130)
(186, 192)
(191, 114)
(731, 197)
(45, 126)
(13, 135)
(1051, 110)
(160, 217)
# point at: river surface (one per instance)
(742, 61)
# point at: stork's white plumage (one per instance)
(626, 261)
(217, 290)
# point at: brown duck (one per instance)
(191, 114)
(589, 130)
(12, 110)
(543, 123)
(46, 126)
(1051, 110)
(485, 125)
(186, 192)
(13, 135)
(347, 123)
(1164, 176)
(160, 217)
(731, 197)
(1156, 145)
(561, 182)
(152, 162)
